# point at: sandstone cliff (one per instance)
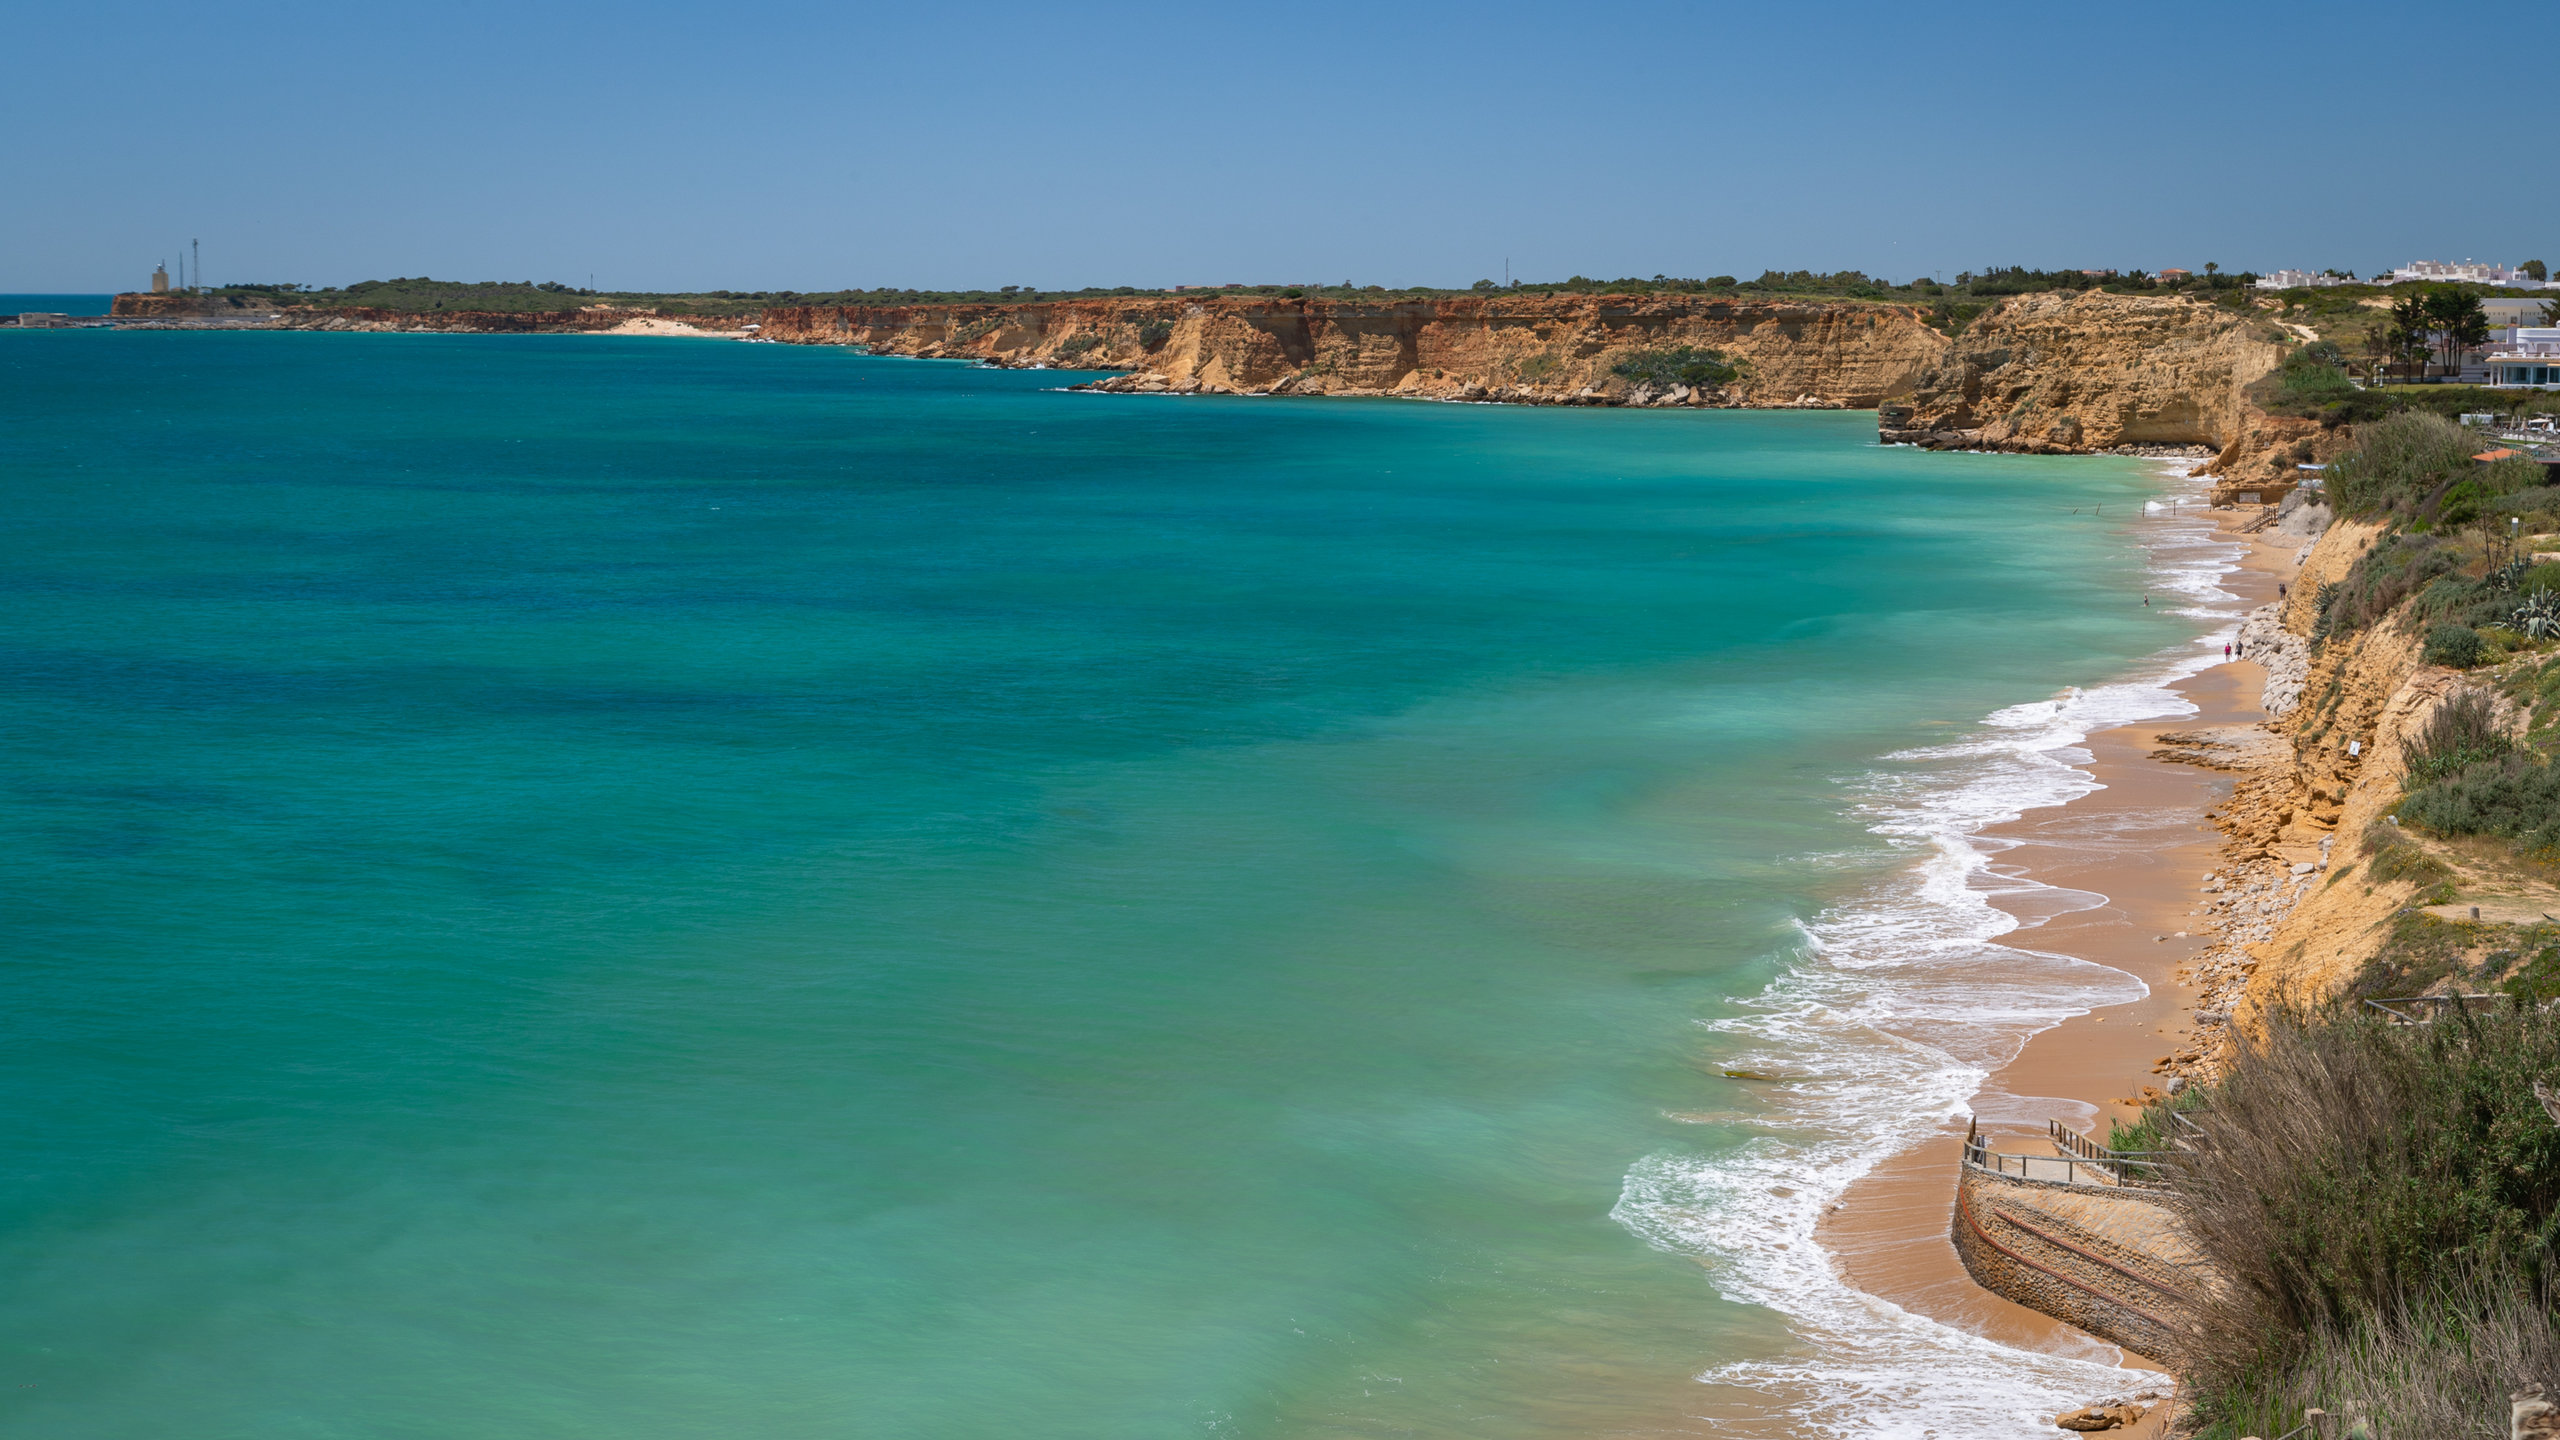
(1531, 349)
(2319, 891)
(2062, 373)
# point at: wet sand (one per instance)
(2144, 843)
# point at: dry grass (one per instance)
(2439, 1370)
(2382, 1202)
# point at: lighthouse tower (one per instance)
(160, 279)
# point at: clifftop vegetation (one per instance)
(2314, 384)
(2384, 1202)
(1954, 302)
(2416, 467)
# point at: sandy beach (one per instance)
(2144, 843)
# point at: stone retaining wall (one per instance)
(2116, 1263)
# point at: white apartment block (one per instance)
(2469, 272)
(2524, 355)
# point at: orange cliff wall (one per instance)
(2068, 373)
(1533, 349)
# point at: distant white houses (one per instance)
(2469, 272)
(2301, 280)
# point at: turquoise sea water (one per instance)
(635, 888)
(56, 304)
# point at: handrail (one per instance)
(2117, 1161)
(2435, 1002)
(2072, 1154)
(1981, 1156)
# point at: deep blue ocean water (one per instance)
(639, 888)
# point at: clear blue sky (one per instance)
(809, 146)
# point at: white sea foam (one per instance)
(1899, 1007)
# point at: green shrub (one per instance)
(1952, 316)
(2538, 978)
(1076, 345)
(2515, 796)
(2153, 1130)
(2418, 950)
(1680, 365)
(1154, 333)
(2454, 645)
(2410, 463)
(2356, 1168)
(2446, 595)
(2394, 858)
(2399, 565)
(2312, 379)
(2463, 731)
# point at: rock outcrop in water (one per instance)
(1552, 350)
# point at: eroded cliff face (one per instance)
(1531, 349)
(2067, 373)
(2331, 784)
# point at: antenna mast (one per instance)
(196, 247)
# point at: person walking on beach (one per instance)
(2226, 651)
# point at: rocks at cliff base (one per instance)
(2161, 452)
(2285, 656)
(2115, 1412)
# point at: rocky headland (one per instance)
(231, 312)
(2056, 372)
(2069, 374)
(1521, 349)
(2062, 373)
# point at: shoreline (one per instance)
(2137, 847)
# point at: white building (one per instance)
(2300, 280)
(2469, 272)
(2524, 355)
